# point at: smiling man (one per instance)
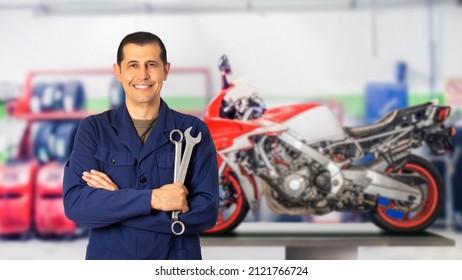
(118, 181)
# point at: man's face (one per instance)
(142, 74)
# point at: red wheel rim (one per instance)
(428, 204)
(225, 221)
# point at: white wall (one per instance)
(302, 53)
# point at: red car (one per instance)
(49, 210)
(16, 188)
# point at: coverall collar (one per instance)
(159, 135)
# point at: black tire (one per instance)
(64, 140)
(52, 98)
(429, 210)
(234, 200)
(73, 96)
(44, 142)
(36, 98)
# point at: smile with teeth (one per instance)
(143, 86)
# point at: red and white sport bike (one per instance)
(305, 162)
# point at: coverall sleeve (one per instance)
(90, 207)
(203, 201)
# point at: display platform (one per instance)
(309, 241)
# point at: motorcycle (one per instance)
(305, 163)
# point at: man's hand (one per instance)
(170, 197)
(99, 180)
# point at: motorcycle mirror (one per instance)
(223, 65)
(225, 68)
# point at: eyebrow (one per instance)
(149, 61)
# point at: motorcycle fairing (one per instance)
(213, 110)
(283, 113)
(225, 132)
(315, 124)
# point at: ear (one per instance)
(116, 70)
(166, 70)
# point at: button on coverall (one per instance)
(122, 224)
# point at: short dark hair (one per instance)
(141, 39)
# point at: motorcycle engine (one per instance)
(295, 184)
(294, 181)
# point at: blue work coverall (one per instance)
(122, 224)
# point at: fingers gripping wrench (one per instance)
(181, 168)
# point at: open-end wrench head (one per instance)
(189, 138)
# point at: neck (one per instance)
(145, 111)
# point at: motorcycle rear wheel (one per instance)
(233, 205)
(391, 217)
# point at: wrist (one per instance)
(153, 198)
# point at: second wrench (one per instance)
(190, 143)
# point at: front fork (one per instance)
(251, 186)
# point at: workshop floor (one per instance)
(36, 249)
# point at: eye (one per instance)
(132, 65)
(152, 64)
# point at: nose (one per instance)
(144, 73)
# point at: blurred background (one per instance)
(362, 58)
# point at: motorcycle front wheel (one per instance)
(393, 216)
(233, 205)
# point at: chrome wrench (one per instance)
(181, 168)
(178, 146)
(190, 143)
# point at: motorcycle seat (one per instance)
(418, 111)
(393, 117)
(367, 130)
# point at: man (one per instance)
(118, 181)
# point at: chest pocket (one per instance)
(119, 166)
(166, 163)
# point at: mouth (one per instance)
(142, 87)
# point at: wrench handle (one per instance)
(176, 169)
(177, 223)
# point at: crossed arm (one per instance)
(169, 197)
